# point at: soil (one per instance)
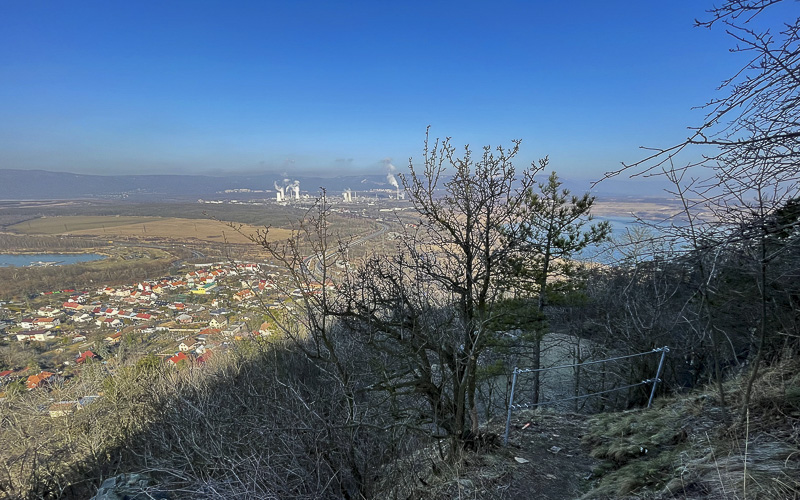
(543, 460)
(558, 467)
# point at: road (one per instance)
(358, 241)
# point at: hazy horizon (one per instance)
(312, 88)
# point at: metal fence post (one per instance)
(510, 407)
(664, 351)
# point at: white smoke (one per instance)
(290, 189)
(390, 178)
(390, 175)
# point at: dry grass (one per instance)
(144, 227)
(691, 453)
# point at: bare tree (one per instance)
(426, 311)
(747, 173)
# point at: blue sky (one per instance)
(324, 86)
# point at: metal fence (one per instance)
(517, 371)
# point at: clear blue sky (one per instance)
(207, 86)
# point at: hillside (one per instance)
(683, 447)
(249, 425)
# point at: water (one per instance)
(621, 229)
(58, 259)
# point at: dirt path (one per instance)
(558, 467)
(544, 460)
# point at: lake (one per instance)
(58, 259)
(608, 253)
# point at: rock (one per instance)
(554, 449)
(521, 460)
(128, 487)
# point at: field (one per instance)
(142, 227)
(648, 209)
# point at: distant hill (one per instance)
(43, 184)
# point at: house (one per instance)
(181, 356)
(37, 335)
(83, 318)
(204, 356)
(184, 318)
(187, 344)
(114, 339)
(244, 295)
(62, 408)
(39, 380)
(208, 331)
(26, 323)
(204, 289)
(85, 356)
(72, 306)
(234, 329)
(109, 322)
(46, 323)
(49, 312)
(218, 322)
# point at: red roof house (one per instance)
(178, 358)
(35, 381)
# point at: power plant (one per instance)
(288, 191)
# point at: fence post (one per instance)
(664, 351)
(510, 406)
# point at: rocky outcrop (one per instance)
(128, 487)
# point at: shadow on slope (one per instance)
(257, 422)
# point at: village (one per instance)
(180, 320)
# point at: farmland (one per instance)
(115, 227)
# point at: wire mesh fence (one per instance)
(585, 380)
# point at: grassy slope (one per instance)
(684, 447)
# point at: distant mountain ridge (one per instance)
(42, 184)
